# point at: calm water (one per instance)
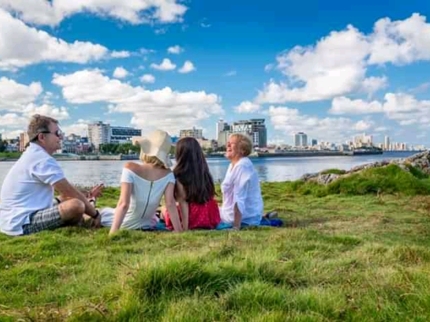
(269, 169)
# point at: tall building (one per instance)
(300, 139)
(98, 133)
(220, 126)
(387, 143)
(23, 141)
(255, 129)
(194, 133)
(101, 133)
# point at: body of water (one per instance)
(269, 169)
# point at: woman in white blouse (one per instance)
(242, 201)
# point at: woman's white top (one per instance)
(145, 199)
(242, 187)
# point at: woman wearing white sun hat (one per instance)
(142, 187)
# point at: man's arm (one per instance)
(68, 191)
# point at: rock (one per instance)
(420, 161)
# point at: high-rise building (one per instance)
(194, 133)
(23, 141)
(300, 139)
(387, 143)
(122, 134)
(221, 125)
(98, 133)
(255, 129)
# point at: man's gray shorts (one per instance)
(46, 219)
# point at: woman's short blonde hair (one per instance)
(152, 160)
(244, 143)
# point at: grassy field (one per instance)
(342, 256)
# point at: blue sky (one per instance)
(331, 69)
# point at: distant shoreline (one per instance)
(214, 156)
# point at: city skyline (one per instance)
(331, 70)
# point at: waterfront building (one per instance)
(314, 142)
(300, 139)
(386, 143)
(23, 141)
(193, 133)
(101, 133)
(255, 129)
(122, 134)
(363, 140)
(98, 133)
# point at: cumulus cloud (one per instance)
(120, 72)
(175, 50)
(40, 46)
(400, 42)
(147, 78)
(43, 12)
(188, 67)
(338, 63)
(165, 65)
(247, 107)
(14, 95)
(332, 129)
(401, 107)
(120, 54)
(164, 108)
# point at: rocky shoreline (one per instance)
(420, 161)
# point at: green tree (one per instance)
(3, 146)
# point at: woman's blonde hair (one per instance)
(152, 160)
(244, 143)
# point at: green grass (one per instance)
(10, 155)
(340, 257)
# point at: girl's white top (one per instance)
(145, 198)
(242, 187)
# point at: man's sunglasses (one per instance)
(57, 133)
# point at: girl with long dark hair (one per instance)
(194, 188)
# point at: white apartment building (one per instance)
(194, 133)
(300, 139)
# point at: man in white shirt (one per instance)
(27, 195)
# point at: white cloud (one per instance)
(344, 105)
(163, 108)
(175, 50)
(339, 129)
(400, 42)
(371, 85)
(165, 65)
(231, 73)
(39, 46)
(13, 121)
(147, 78)
(337, 64)
(44, 12)
(247, 107)
(120, 72)
(14, 95)
(188, 67)
(401, 107)
(79, 128)
(59, 113)
(120, 54)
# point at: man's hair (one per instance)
(244, 143)
(192, 171)
(38, 124)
